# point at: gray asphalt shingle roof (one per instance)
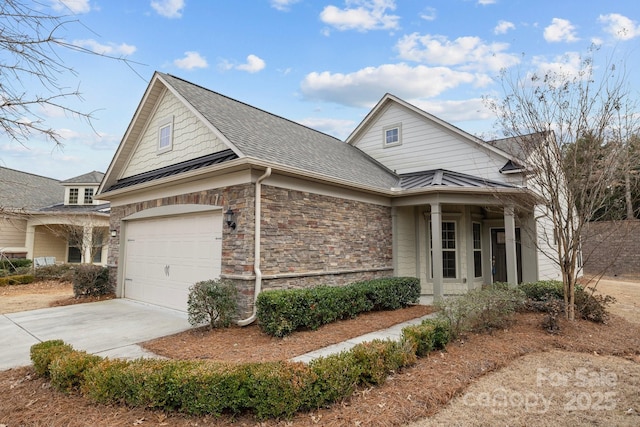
(22, 190)
(265, 136)
(93, 177)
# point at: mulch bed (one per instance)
(411, 394)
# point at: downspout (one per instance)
(256, 251)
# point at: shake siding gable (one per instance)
(427, 145)
(191, 138)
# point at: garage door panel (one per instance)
(165, 256)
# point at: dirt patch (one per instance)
(33, 296)
(626, 293)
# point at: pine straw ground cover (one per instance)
(412, 394)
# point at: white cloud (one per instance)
(283, 5)
(253, 65)
(560, 30)
(361, 15)
(339, 128)
(365, 87)
(455, 111)
(428, 14)
(470, 53)
(503, 27)
(619, 26)
(567, 66)
(73, 6)
(111, 49)
(190, 61)
(486, 2)
(168, 8)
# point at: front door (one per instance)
(499, 255)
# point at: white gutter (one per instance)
(256, 251)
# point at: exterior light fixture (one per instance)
(229, 219)
(114, 233)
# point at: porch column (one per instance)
(436, 245)
(510, 245)
(30, 240)
(87, 244)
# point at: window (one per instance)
(477, 250)
(165, 135)
(449, 268)
(73, 196)
(88, 196)
(392, 135)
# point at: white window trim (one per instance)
(456, 250)
(384, 135)
(161, 125)
(477, 250)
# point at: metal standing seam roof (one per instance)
(262, 135)
(445, 178)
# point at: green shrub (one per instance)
(213, 302)
(441, 332)
(59, 272)
(15, 266)
(67, 371)
(17, 280)
(281, 312)
(543, 290)
(480, 309)
(592, 307)
(44, 353)
(91, 281)
(337, 377)
(378, 358)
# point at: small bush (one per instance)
(15, 266)
(592, 307)
(42, 354)
(338, 376)
(281, 312)
(480, 309)
(543, 290)
(91, 281)
(213, 302)
(17, 280)
(67, 371)
(59, 272)
(378, 358)
(431, 334)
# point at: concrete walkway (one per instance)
(110, 328)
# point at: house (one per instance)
(43, 218)
(204, 186)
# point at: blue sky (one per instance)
(322, 63)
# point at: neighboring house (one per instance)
(203, 186)
(45, 218)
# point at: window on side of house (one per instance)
(449, 251)
(477, 249)
(165, 135)
(392, 135)
(73, 196)
(88, 196)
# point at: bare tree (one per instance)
(569, 115)
(31, 68)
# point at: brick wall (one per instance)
(612, 248)
(307, 239)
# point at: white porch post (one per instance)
(436, 245)
(30, 240)
(510, 245)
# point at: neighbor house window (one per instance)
(165, 135)
(392, 135)
(449, 256)
(73, 196)
(477, 250)
(88, 196)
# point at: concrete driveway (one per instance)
(108, 328)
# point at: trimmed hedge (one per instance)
(197, 387)
(91, 281)
(23, 279)
(282, 312)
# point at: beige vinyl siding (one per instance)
(427, 145)
(191, 139)
(547, 250)
(12, 233)
(406, 243)
(46, 244)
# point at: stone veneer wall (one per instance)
(612, 248)
(307, 239)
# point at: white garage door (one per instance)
(165, 256)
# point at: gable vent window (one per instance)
(88, 196)
(165, 135)
(73, 196)
(392, 135)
